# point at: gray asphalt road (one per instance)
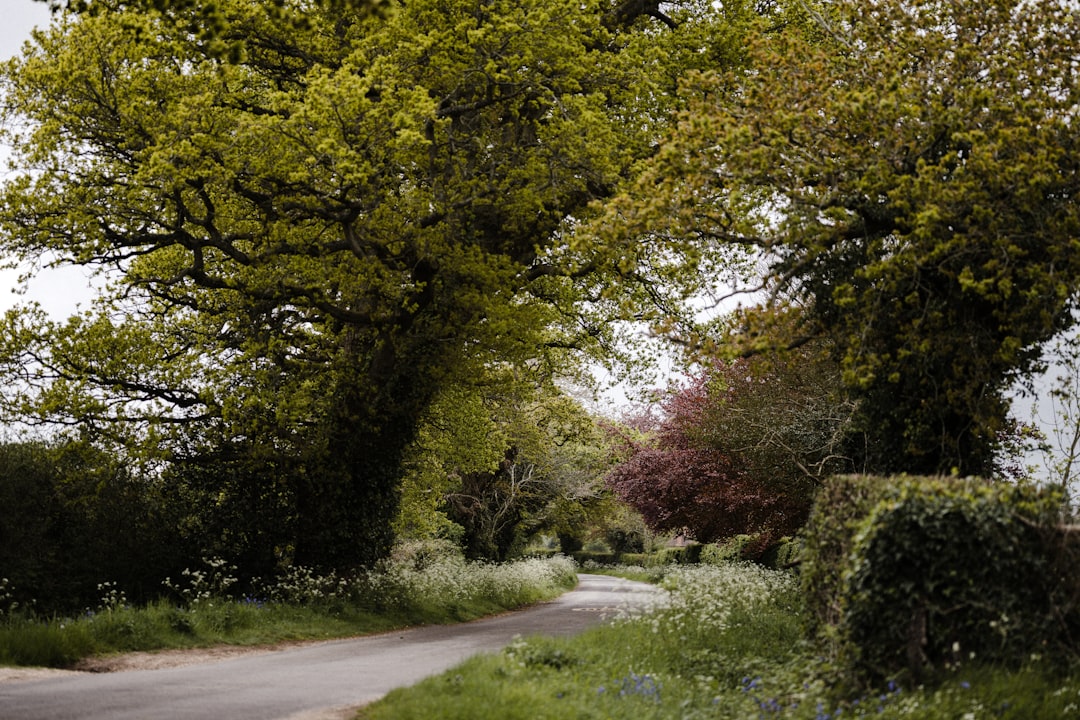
(305, 682)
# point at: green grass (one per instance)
(729, 647)
(308, 608)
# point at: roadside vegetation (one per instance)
(357, 269)
(731, 644)
(299, 605)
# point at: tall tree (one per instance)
(310, 239)
(907, 176)
(500, 460)
(740, 450)
(208, 19)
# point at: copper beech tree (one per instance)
(738, 450)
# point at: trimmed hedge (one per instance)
(777, 554)
(784, 554)
(843, 502)
(938, 572)
(781, 554)
(687, 555)
(729, 551)
(600, 558)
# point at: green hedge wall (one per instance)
(940, 572)
(843, 502)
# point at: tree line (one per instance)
(335, 236)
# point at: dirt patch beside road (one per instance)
(145, 660)
(20, 674)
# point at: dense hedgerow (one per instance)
(761, 549)
(910, 576)
(842, 503)
(951, 571)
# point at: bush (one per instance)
(72, 516)
(843, 502)
(734, 549)
(950, 571)
(685, 555)
(600, 558)
(761, 549)
(783, 554)
(642, 559)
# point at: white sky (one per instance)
(19, 18)
(58, 291)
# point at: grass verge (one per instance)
(729, 646)
(300, 606)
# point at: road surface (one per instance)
(322, 680)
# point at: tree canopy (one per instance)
(739, 450)
(210, 21)
(307, 241)
(906, 175)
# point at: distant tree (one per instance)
(739, 450)
(678, 487)
(521, 463)
(458, 436)
(906, 175)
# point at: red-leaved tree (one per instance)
(739, 450)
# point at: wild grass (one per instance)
(301, 605)
(729, 646)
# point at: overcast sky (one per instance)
(20, 17)
(58, 291)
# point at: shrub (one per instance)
(600, 558)
(685, 555)
(953, 570)
(782, 554)
(762, 549)
(843, 502)
(738, 548)
(423, 553)
(73, 515)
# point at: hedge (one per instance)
(939, 572)
(843, 502)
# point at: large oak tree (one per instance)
(907, 175)
(308, 240)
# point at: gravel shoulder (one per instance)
(155, 660)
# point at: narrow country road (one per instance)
(321, 680)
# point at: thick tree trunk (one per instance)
(352, 493)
